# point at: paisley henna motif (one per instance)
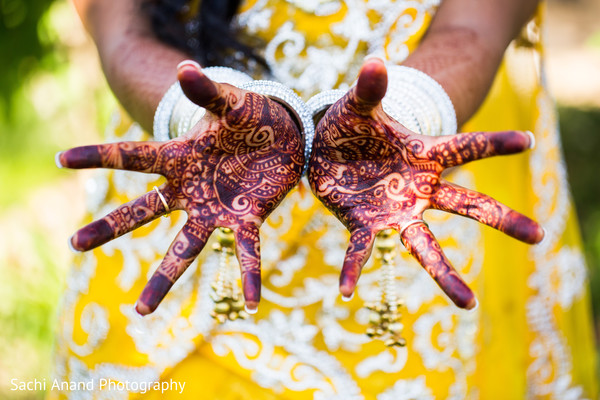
(231, 170)
(374, 174)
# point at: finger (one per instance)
(247, 244)
(459, 149)
(371, 86)
(183, 251)
(421, 243)
(131, 156)
(124, 219)
(359, 251)
(199, 88)
(480, 207)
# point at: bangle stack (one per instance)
(293, 103)
(176, 114)
(418, 102)
(413, 98)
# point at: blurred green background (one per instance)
(53, 96)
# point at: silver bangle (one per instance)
(412, 98)
(293, 103)
(418, 102)
(176, 114)
(320, 102)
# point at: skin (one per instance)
(374, 174)
(461, 50)
(231, 170)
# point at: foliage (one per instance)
(53, 97)
(580, 131)
(26, 44)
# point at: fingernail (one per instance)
(250, 310)
(544, 237)
(346, 299)
(189, 62)
(475, 307)
(73, 249)
(531, 139)
(57, 160)
(142, 309)
(137, 313)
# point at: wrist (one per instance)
(139, 72)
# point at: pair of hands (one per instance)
(237, 164)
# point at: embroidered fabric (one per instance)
(303, 336)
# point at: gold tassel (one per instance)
(384, 317)
(227, 293)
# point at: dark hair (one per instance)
(206, 36)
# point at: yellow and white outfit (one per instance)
(529, 338)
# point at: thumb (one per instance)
(372, 83)
(199, 88)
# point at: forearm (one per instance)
(138, 67)
(464, 47)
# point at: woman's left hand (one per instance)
(230, 170)
(375, 174)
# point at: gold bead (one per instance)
(222, 307)
(374, 318)
(237, 305)
(233, 316)
(225, 237)
(371, 332)
(385, 243)
(396, 327)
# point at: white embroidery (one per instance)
(166, 336)
(314, 67)
(388, 361)
(408, 390)
(302, 368)
(549, 373)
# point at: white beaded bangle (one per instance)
(419, 102)
(176, 114)
(320, 102)
(413, 98)
(293, 103)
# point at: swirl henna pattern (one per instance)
(374, 174)
(231, 170)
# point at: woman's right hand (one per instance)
(231, 170)
(374, 174)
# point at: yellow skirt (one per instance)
(531, 336)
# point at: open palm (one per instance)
(375, 174)
(231, 170)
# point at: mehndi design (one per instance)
(231, 170)
(374, 174)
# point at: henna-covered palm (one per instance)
(375, 174)
(231, 170)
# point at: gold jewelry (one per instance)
(162, 200)
(384, 317)
(227, 293)
(405, 226)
